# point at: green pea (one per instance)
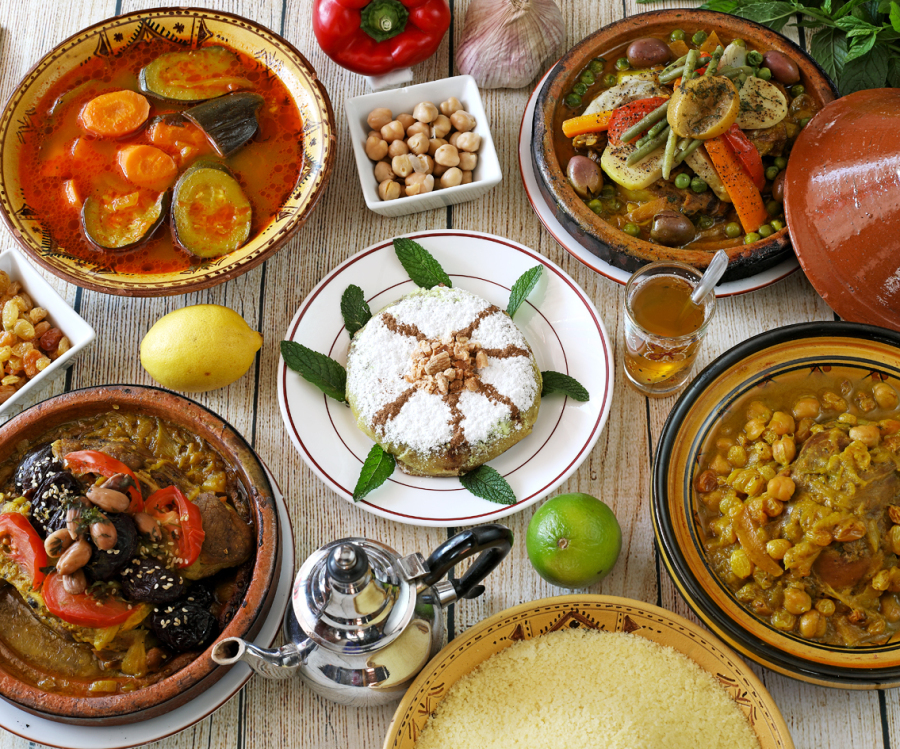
(573, 101)
(780, 162)
(683, 181)
(614, 205)
(632, 230)
(622, 63)
(587, 78)
(754, 58)
(608, 191)
(804, 122)
(610, 80)
(677, 35)
(596, 206)
(777, 225)
(798, 90)
(765, 231)
(739, 43)
(596, 66)
(751, 238)
(699, 185)
(773, 207)
(772, 173)
(733, 230)
(699, 38)
(580, 89)
(765, 74)
(706, 222)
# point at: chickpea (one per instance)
(398, 148)
(379, 117)
(441, 126)
(434, 144)
(754, 428)
(782, 423)
(428, 163)
(784, 450)
(462, 121)
(418, 128)
(405, 120)
(470, 142)
(376, 133)
(402, 165)
(759, 410)
(777, 547)
(425, 111)
(825, 606)
(797, 601)
(447, 155)
(393, 131)
(467, 176)
(885, 396)
(450, 106)
(418, 143)
(440, 169)
(809, 624)
(388, 190)
(376, 148)
(807, 407)
(468, 161)
(383, 171)
(720, 465)
(868, 434)
(452, 177)
(453, 139)
(781, 487)
(737, 456)
(740, 563)
(418, 184)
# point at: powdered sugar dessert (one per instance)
(443, 380)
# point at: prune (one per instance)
(104, 565)
(199, 595)
(49, 503)
(149, 581)
(183, 626)
(35, 467)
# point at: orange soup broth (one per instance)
(61, 156)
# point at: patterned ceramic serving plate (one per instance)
(536, 618)
(187, 27)
(814, 351)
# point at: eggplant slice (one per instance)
(111, 225)
(228, 122)
(211, 215)
(193, 75)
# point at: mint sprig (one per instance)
(486, 483)
(354, 309)
(419, 263)
(322, 371)
(557, 382)
(377, 468)
(523, 286)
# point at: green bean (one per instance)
(653, 117)
(690, 64)
(730, 72)
(714, 62)
(687, 151)
(670, 75)
(648, 148)
(669, 154)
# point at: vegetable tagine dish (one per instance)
(683, 141)
(154, 161)
(127, 546)
(799, 507)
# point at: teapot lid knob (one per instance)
(347, 563)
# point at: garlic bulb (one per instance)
(505, 42)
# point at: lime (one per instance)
(573, 540)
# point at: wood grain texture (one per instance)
(618, 469)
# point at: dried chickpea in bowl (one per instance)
(410, 150)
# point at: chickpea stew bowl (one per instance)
(776, 501)
(665, 136)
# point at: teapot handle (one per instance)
(492, 542)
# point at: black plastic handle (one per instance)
(492, 542)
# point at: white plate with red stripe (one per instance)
(559, 321)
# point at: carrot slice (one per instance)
(739, 184)
(115, 114)
(147, 166)
(587, 123)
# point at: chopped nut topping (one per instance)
(438, 363)
(481, 360)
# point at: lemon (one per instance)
(573, 540)
(199, 348)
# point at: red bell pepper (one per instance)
(747, 154)
(374, 37)
(627, 115)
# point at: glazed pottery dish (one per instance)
(164, 531)
(620, 207)
(774, 491)
(111, 145)
(844, 211)
(513, 652)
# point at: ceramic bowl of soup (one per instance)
(115, 653)
(114, 202)
(775, 492)
(621, 218)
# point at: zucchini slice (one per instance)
(228, 122)
(123, 221)
(210, 213)
(193, 75)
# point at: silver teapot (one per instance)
(364, 620)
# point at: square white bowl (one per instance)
(486, 175)
(61, 315)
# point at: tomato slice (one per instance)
(631, 114)
(20, 542)
(92, 461)
(83, 609)
(180, 520)
(747, 155)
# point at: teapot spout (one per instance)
(273, 663)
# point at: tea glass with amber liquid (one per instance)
(663, 327)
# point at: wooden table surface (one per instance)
(279, 713)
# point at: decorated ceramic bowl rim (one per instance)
(157, 698)
(319, 154)
(859, 672)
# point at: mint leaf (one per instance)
(557, 382)
(323, 372)
(829, 48)
(354, 309)
(376, 470)
(894, 72)
(723, 6)
(486, 483)
(895, 16)
(860, 46)
(523, 286)
(773, 15)
(868, 71)
(421, 266)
